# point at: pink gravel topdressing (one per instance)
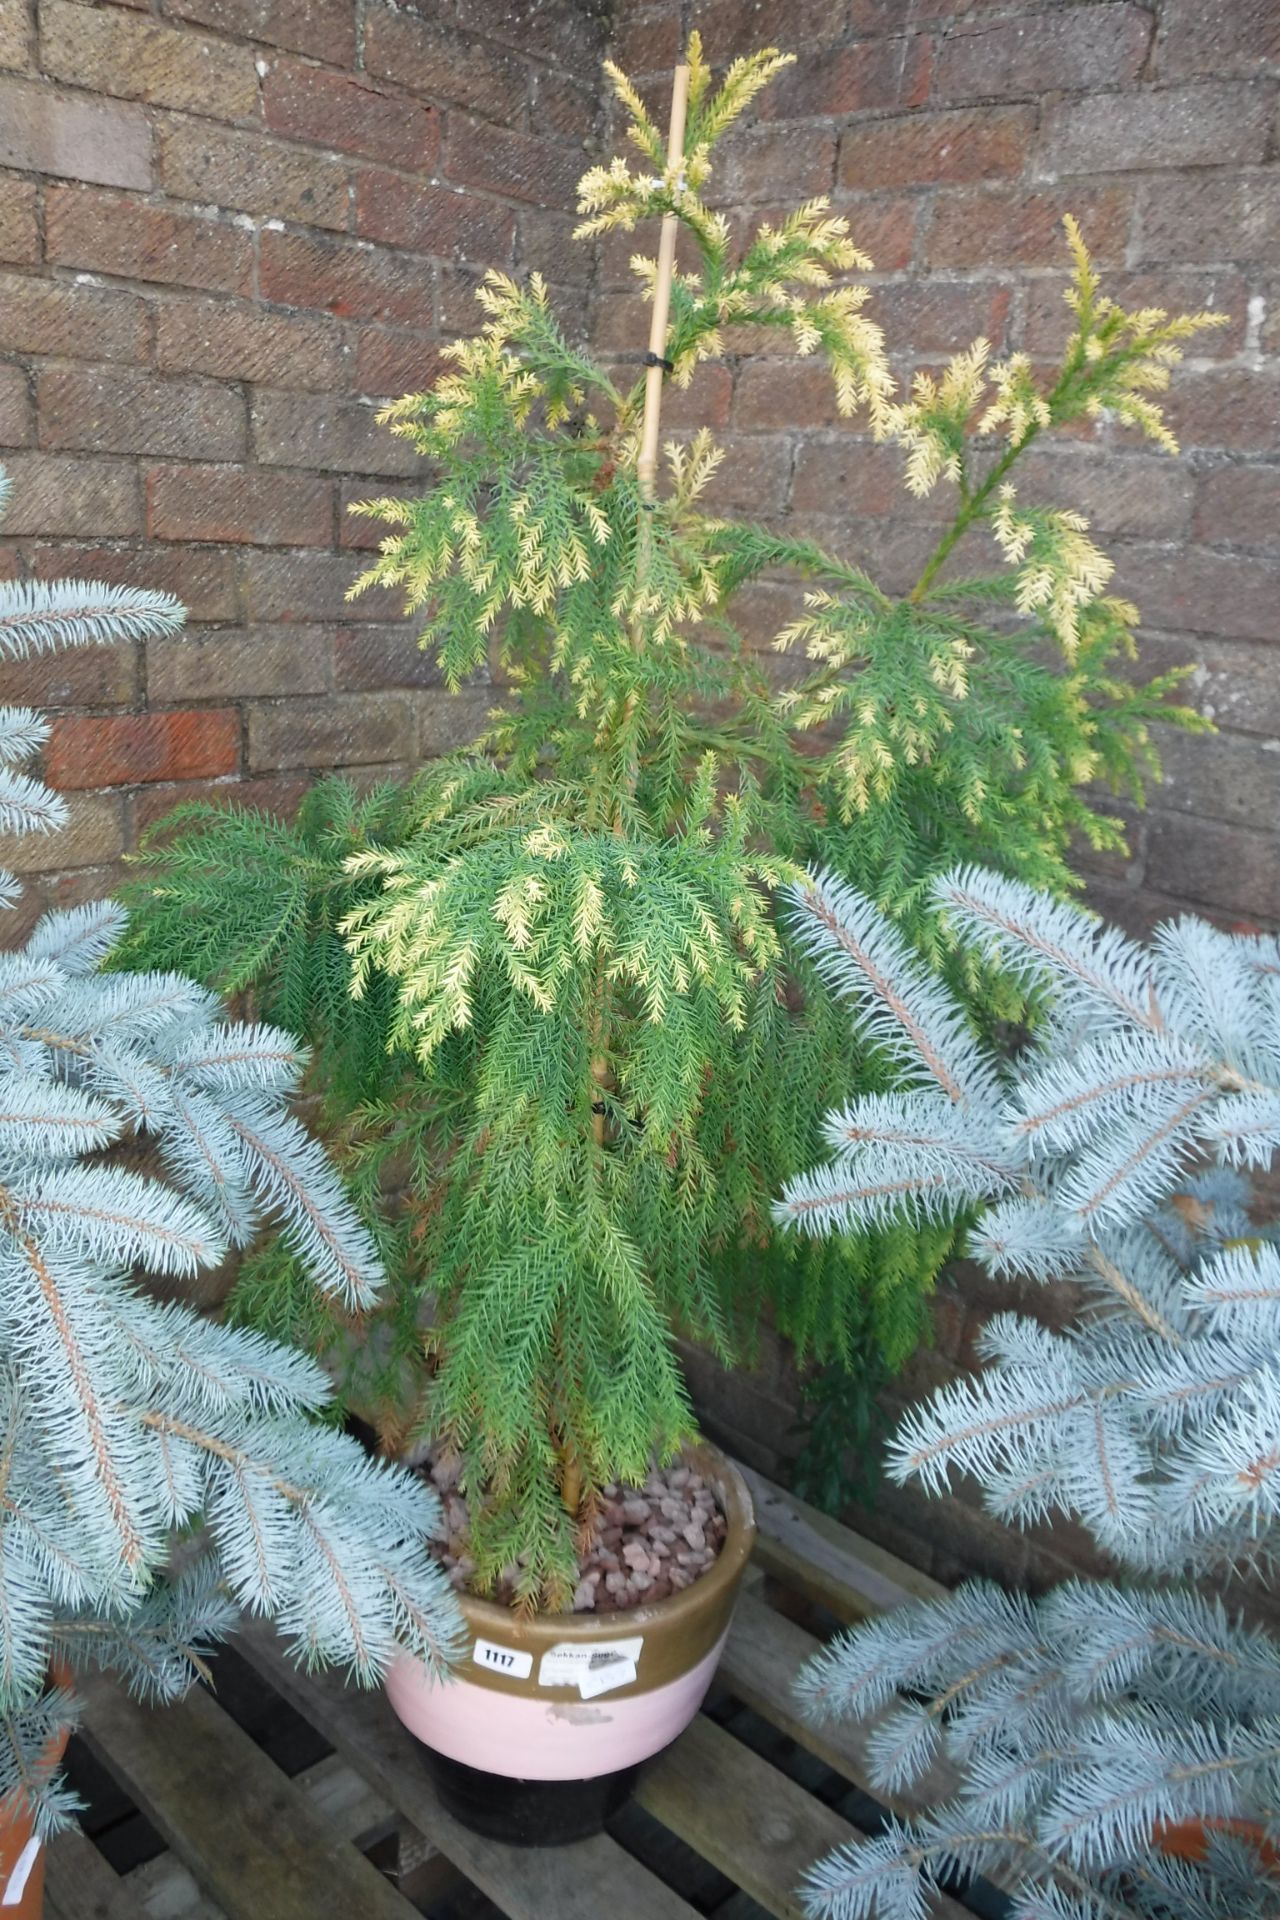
(648, 1542)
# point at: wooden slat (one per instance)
(594, 1880)
(759, 1828)
(164, 1888)
(764, 1653)
(249, 1837)
(79, 1885)
(813, 1554)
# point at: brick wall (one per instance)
(954, 137)
(225, 227)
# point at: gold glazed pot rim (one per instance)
(677, 1631)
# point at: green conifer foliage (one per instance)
(546, 981)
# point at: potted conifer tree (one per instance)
(550, 995)
(123, 1419)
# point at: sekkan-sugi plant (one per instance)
(1114, 1747)
(142, 1133)
(555, 1012)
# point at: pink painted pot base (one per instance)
(530, 1739)
(512, 1715)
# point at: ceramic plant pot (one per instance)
(538, 1736)
(1189, 1839)
(21, 1854)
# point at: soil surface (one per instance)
(647, 1542)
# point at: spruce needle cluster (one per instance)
(1115, 1747)
(143, 1133)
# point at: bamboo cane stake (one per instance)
(647, 458)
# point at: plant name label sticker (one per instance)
(592, 1666)
(16, 1884)
(508, 1660)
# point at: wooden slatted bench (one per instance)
(222, 1826)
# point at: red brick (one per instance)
(1133, 495)
(837, 473)
(353, 280)
(389, 364)
(326, 29)
(372, 657)
(231, 167)
(1217, 124)
(648, 43)
(1214, 865)
(705, 402)
(1233, 407)
(120, 411)
(613, 260)
(337, 110)
(19, 233)
(231, 342)
(883, 226)
(357, 532)
(203, 578)
(545, 244)
(1068, 49)
(95, 832)
(426, 57)
(75, 323)
(753, 477)
(110, 233)
(1239, 507)
(1205, 217)
(1235, 684)
(449, 721)
(754, 163)
(923, 149)
(784, 393)
(1203, 36)
(825, 83)
(53, 494)
(1269, 333)
(15, 35)
(311, 587)
(924, 316)
(340, 435)
(73, 135)
(563, 31)
(348, 730)
(731, 28)
(278, 797)
(1198, 590)
(233, 666)
(17, 419)
(80, 677)
(917, 70)
(1222, 777)
(563, 108)
(410, 213)
(973, 227)
(457, 309)
(125, 750)
(110, 52)
(514, 165)
(1050, 321)
(234, 506)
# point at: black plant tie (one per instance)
(656, 360)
